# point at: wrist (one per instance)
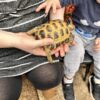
(14, 41)
(58, 15)
(8, 39)
(18, 40)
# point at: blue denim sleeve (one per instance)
(66, 2)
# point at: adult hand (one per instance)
(97, 44)
(48, 4)
(29, 44)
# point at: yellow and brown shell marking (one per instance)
(55, 29)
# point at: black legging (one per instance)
(44, 77)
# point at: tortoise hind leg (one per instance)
(48, 53)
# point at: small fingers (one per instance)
(54, 9)
(42, 6)
(59, 51)
(97, 47)
(48, 8)
(97, 41)
(57, 54)
(59, 6)
(62, 52)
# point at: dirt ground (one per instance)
(80, 88)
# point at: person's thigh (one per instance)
(46, 76)
(96, 58)
(10, 88)
(74, 57)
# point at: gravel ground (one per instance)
(80, 88)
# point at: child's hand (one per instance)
(47, 5)
(97, 44)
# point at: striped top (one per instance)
(19, 16)
(19, 13)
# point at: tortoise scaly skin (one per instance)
(57, 30)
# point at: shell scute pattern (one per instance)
(57, 30)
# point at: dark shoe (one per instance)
(94, 89)
(68, 91)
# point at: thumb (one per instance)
(43, 42)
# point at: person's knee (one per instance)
(46, 76)
(79, 50)
(10, 88)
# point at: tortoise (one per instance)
(57, 30)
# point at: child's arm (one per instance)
(58, 15)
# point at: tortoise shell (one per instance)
(57, 30)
